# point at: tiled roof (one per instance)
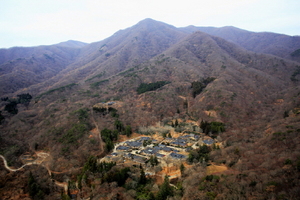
(177, 155)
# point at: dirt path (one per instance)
(12, 169)
(98, 133)
(62, 184)
(41, 156)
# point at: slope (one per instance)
(253, 94)
(262, 42)
(125, 49)
(25, 66)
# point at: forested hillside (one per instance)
(152, 112)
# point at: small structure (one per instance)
(139, 159)
(154, 141)
(188, 149)
(128, 155)
(167, 139)
(114, 154)
(167, 149)
(123, 148)
(159, 155)
(144, 139)
(177, 155)
(208, 141)
(150, 151)
(179, 142)
(134, 144)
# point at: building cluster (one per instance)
(141, 149)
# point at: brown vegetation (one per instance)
(255, 95)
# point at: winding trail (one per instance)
(41, 156)
(62, 184)
(11, 169)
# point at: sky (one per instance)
(46, 22)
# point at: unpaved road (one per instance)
(41, 156)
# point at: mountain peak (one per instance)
(147, 20)
(151, 23)
(72, 43)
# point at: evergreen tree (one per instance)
(165, 190)
(34, 189)
(182, 168)
(153, 161)
(143, 179)
(119, 125)
(109, 145)
(128, 130)
(176, 123)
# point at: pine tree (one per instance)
(143, 179)
(182, 168)
(165, 190)
(176, 123)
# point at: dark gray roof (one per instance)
(197, 136)
(159, 155)
(179, 143)
(134, 144)
(167, 149)
(139, 159)
(128, 155)
(188, 149)
(122, 148)
(144, 138)
(177, 155)
(150, 150)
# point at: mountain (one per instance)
(67, 105)
(72, 44)
(264, 42)
(21, 67)
(123, 50)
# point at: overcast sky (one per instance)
(44, 22)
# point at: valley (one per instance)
(152, 112)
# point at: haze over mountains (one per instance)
(254, 88)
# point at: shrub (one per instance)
(145, 87)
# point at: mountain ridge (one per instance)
(156, 79)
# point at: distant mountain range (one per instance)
(129, 47)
